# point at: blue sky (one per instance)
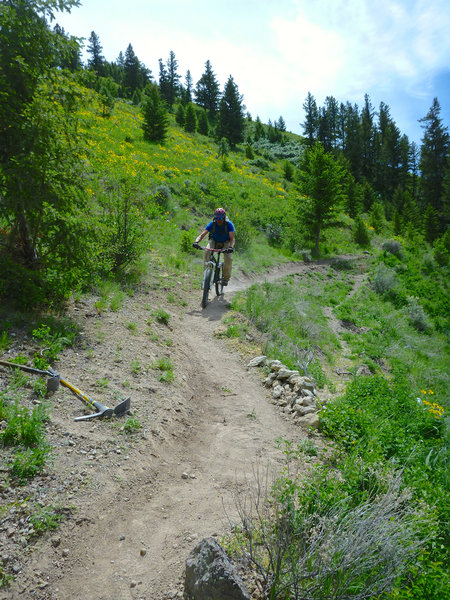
(397, 51)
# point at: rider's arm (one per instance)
(232, 239)
(201, 236)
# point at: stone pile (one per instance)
(296, 394)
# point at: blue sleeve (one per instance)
(230, 226)
(209, 226)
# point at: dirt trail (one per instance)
(141, 507)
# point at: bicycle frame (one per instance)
(213, 274)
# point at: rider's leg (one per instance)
(207, 255)
(227, 264)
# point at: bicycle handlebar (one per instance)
(209, 249)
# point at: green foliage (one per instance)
(54, 335)
(131, 425)
(377, 217)
(166, 367)
(30, 462)
(162, 316)
(122, 228)
(231, 118)
(155, 116)
(190, 121)
(45, 518)
(361, 233)
(321, 183)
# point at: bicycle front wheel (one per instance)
(206, 287)
(218, 279)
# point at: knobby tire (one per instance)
(206, 287)
(219, 280)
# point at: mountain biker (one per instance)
(221, 235)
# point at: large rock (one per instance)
(257, 361)
(284, 373)
(210, 575)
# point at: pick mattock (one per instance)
(53, 384)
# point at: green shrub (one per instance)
(393, 247)
(361, 233)
(384, 279)
(416, 315)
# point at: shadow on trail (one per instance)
(215, 309)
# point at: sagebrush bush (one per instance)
(393, 247)
(384, 279)
(416, 314)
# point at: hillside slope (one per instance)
(136, 503)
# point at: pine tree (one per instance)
(132, 72)
(203, 125)
(207, 92)
(94, 48)
(173, 79)
(155, 116)
(259, 129)
(231, 114)
(433, 157)
(188, 88)
(367, 139)
(281, 124)
(190, 122)
(321, 182)
(311, 123)
(180, 115)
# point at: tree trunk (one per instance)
(25, 244)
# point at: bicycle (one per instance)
(213, 274)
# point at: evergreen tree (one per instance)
(433, 157)
(367, 139)
(180, 115)
(173, 77)
(190, 122)
(155, 116)
(311, 123)
(121, 60)
(431, 224)
(203, 125)
(361, 233)
(94, 48)
(188, 88)
(351, 133)
(41, 192)
(163, 81)
(259, 129)
(414, 168)
(231, 114)
(320, 181)
(207, 92)
(281, 125)
(132, 72)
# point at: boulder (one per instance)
(306, 410)
(275, 365)
(284, 373)
(311, 420)
(278, 391)
(257, 361)
(210, 575)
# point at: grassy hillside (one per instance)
(147, 203)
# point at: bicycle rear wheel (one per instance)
(218, 279)
(206, 287)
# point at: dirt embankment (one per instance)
(136, 503)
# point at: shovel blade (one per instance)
(122, 407)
